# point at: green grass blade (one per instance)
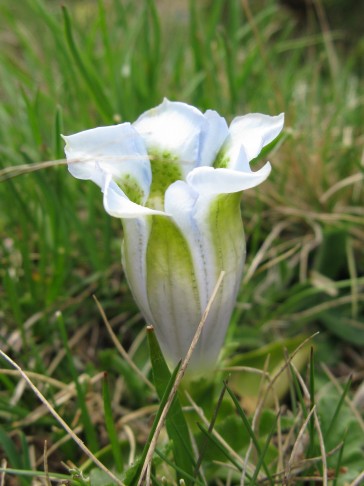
(190, 479)
(339, 463)
(311, 424)
(262, 454)
(337, 409)
(133, 474)
(92, 442)
(220, 446)
(110, 426)
(203, 447)
(176, 424)
(89, 77)
(250, 431)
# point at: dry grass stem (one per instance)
(259, 257)
(45, 464)
(120, 348)
(60, 420)
(348, 181)
(255, 419)
(206, 422)
(54, 447)
(132, 443)
(60, 398)
(345, 299)
(298, 445)
(4, 465)
(359, 481)
(317, 426)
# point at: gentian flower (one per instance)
(175, 179)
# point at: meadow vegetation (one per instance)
(286, 405)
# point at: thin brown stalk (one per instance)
(120, 347)
(45, 463)
(348, 181)
(206, 422)
(318, 428)
(60, 420)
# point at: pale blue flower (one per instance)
(175, 178)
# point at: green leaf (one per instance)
(341, 325)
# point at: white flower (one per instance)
(175, 178)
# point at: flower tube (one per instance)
(175, 178)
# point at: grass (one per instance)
(286, 415)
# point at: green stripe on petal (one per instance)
(227, 240)
(172, 288)
(226, 226)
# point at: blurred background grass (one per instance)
(72, 66)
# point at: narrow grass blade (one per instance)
(211, 426)
(337, 410)
(250, 431)
(132, 475)
(191, 479)
(218, 444)
(338, 464)
(58, 129)
(110, 426)
(92, 442)
(176, 424)
(311, 425)
(262, 454)
(89, 77)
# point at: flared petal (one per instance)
(117, 203)
(210, 181)
(213, 230)
(116, 150)
(172, 131)
(247, 136)
(212, 137)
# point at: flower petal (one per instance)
(117, 204)
(251, 133)
(172, 130)
(210, 181)
(212, 137)
(171, 287)
(134, 249)
(117, 150)
(213, 230)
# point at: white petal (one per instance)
(212, 137)
(171, 287)
(173, 129)
(134, 248)
(117, 204)
(252, 132)
(117, 150)
(213, 229)
(210, 181)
